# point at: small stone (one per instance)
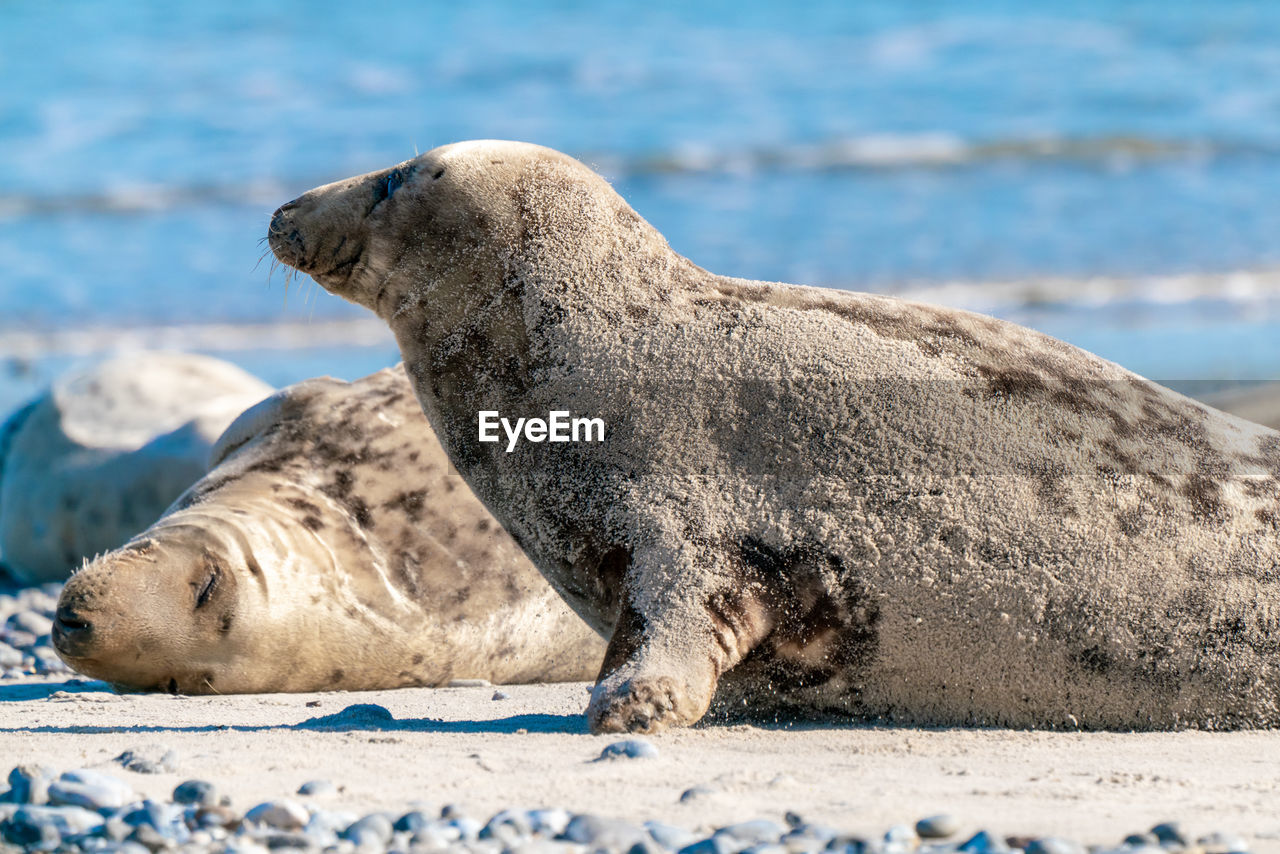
(1219, 842)
(66, 821)
(29, 784)
(508, 827)
(1169, 833)
(753, 832)
(152, 838)
(901, 835)
(217, 816)
(699, 792)
(501, 695)
(286, 840)
(807, 837)
(324, 826)
(151, 759)
(317, 789)
(9, 657)
(31, 623)
(669, 836)
(598, 832)
(1053, 845)
(412, 822)
(648, 846)
(201, 793)
(282, 814)
(450, 811)
(548, 822)
(983, 842)
(845, 844)
(467, 828)
(374, 829)
(715, 844)
(1137, 840)
(91, 789)
(937, 826)
(631, 748)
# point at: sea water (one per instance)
(1070, 164)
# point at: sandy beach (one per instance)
(462, 746)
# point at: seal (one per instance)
(105, 450)
(328, 548)
(815, 497)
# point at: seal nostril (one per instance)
(69, 621)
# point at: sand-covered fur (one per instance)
(328, 548)
(100, 456)
(825, 497)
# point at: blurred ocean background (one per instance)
(1105, 171)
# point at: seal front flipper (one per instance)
(675, 635)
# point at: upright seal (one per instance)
(899, 510)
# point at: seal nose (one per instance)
(72, 633)
(280, 219)
(283, 237)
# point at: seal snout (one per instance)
(72, 632)
(283, 236)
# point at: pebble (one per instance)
(549, 822)
(283, 814)
(318, 789)
(201, 793)
(151, 759)
(631, 748)
(9, 657)
(31, 622)
(1223, 843)
(197, 820)
(501, 695)
(412, 822)
(599, 832)
(1053, 845)
(713, 845)
(374, 829)
(983, 842)
(29, 784)
(753, 832)
(937, 826)
(91, 789)
(1169, 833)
(699, 792)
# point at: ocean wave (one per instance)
(875, 152)
(206, 337)
(1240, 289)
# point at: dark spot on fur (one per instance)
(225, 623)
(410, 503)
(1204, 495)
(482, 525)
(1011, 382)
(1095, 659)
(417, 658)
(312, 523)
(336, 676)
